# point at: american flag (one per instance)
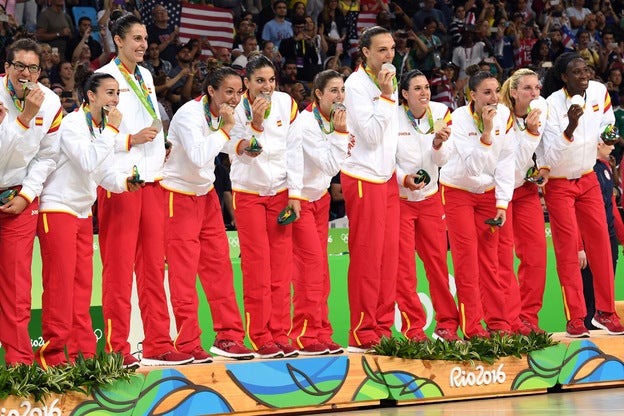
(364, 21)
(216, 24)
(568, 38)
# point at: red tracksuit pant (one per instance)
(132, 226)
(423, 228)
(17, 234)
(266, 263)
(474, 248)
(524, 231)
(197, 244)
(575, 205)
(373, 212)
(311, 281)
(67, 257)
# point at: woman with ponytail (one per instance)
(65, 228)
(524, 229)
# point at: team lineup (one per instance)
(415, 178)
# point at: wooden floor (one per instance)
(601, 402)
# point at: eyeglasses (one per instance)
(20, 67)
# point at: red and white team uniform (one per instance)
(132, 228)
(65, 231)
(524, 231)
(196, 242)
(371, 196)
(324, 151)
(478, 179)
(423, 227)
(261, 187)
(29, 154)
(573, 194)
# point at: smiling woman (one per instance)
(579, 111)
(130, 233)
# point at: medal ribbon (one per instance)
(415, 124)
(319, 119)
(18, 103)
(208, 115)
(478, 119)
(90, 122)
(143, 93)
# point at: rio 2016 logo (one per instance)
(30, 410)
(479, 377)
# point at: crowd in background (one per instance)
(444, 39)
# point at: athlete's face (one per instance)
(107, 93)
(261, 80)
(417, 95)
(486, 93)
(333, 92)
(381, 51)
(229, 92)
(528, 90)
(133, 45)
(576, 76)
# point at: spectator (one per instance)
(577, 14)
(156, 65)
(332, 25)
(428, 10)
(164, 33)
(54, 26)
(245, 29)
(583, 48)
(302, 50)
(458, 23)
(8, 29)
(83, 36)
(278, 28)
(429, 48)
(250, 44)
(525, 39)
(405, 57)
(469, 53)
(289, 72)
(223, 56)
(297, 10)
(26, 14)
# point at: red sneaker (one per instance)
(317, 348)
(130, 361)
(171, 357)
(333, 347)
(481, 333)
(445, 334)
(288, 350)
(269, 350)
(232, 349)
(576, 329)
(533, 328)
(609, 321)
(200, 356)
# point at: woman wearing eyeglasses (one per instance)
(30, 129)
